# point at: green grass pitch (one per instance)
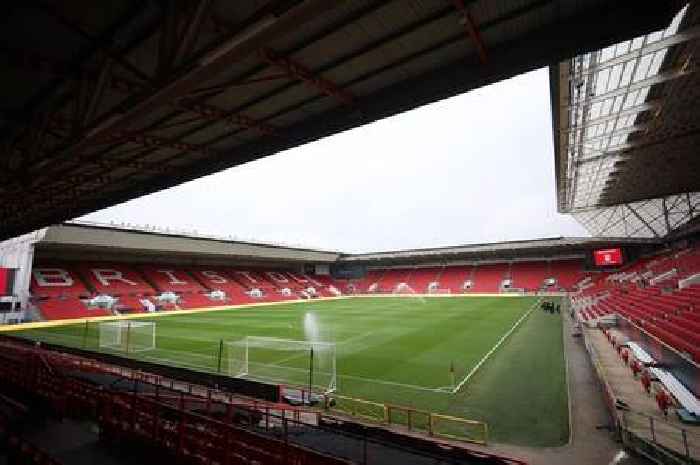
(395, 350)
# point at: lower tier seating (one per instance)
(68, 308)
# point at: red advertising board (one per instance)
(608, 257)
(4, 281)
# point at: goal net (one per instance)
(128, 336)
(284, 361)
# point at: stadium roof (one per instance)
(626, 131)
(506, 249)
(118, 243)
(106, 101)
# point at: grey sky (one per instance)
(474, 168)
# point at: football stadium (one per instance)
(124, 343)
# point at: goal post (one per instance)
(128, 336)
(284, 361)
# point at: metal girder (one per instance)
(472, 31)
(149, 140)
(189, 38)
(676, 39)
(618, 132)
(642, 220)
(239, 45)
(296, 70)
(104, 46)
(646, 106)
(212, 112)
(529, 52)
(648, 82)
(614, 151)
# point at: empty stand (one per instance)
(421, 278)
(54, 280)
(115, 279)
(127, 304)
(61, 308)
(250, 279)
(219, 279)
(453, 277)
(488, 277)
(171, 279)
(393, 277)
(529, 275)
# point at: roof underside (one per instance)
(500, 250)
(626, 132)
(106, 101)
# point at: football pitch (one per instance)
(483, 358)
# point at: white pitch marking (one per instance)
(493, 349)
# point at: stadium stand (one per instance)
(54, 280)
(661, 309)
(453, 277)
(422, 278)
(529, 275)
(567, 272)
(57, 291)
(394, 277)
(62, 308)
(488, 278)
(126, 304)
(214, 279)
(251, 279)
(114, 279)
(170, 279)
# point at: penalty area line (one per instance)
(494, 348)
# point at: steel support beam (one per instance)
(239, 45)
(296, 70)
(642, 220)
(472, 31)
(687, 35)
(648, 82)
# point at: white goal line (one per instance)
(494, 349)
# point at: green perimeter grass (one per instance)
(394, 350)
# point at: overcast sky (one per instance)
(474, 168)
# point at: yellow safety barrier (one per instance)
(459, 428)
(433, 424)
(368, 410)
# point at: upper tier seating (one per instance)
(453, 277)
(171, 279)
(421, 278)
(251, 279)
(393, 277)
(488, 278)
(115, 279)
(53, 280)
(219, 279)
(529, 275)
(372, 278)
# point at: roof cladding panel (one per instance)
(627, 131)
(104, 103)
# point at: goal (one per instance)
(128, 336)
(283, 361)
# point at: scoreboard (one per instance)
(608, 257)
